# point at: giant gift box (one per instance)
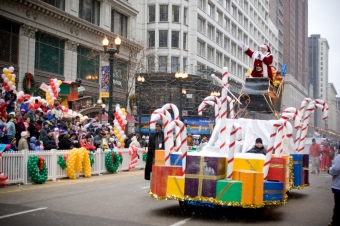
(229, 191)
(252, 186)
(160, 178)
(248, 164)
(273, 191)
(202, 173)
(159, 157)
(288, 182)
(176, 159)
(175, 186)
(305, 165)
(277, 169)
(298, 169)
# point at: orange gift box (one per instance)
(160, 178)
(252, 186)
(159, 157)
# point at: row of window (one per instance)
(163, 39)
(89, 10)
(164, 14)
(161, 62)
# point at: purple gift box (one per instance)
(305, 165)
(202, 174)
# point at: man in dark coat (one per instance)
(49, 142)
(156, 142)
(258, 148)
(65, 142)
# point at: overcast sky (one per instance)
(324, 19)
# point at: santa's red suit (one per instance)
(261, 61)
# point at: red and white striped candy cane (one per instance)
(235, 134)
(278, 138)
(184, 146)
(174, 109)
(168, 115)
(134, 157)
(292, 113)
(223, 113)
(231, 107)
(168, 140)
(302, 112)
(310, 109)
(271, 143)
(214, 135)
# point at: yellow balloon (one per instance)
(123, 109)
(60, 82)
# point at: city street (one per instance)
(122, 199)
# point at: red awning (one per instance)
(129, 118)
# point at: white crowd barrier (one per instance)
(14, 164)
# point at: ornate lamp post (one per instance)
(181, 77)
(140, 79)
(110, 50)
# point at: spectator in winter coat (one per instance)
(258, 148)
(23, 145)
(65, 142)
(43, 131)
(86, 143)
(11, 131)
(48, 141)
(35, 144)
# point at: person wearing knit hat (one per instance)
(23, 144)
(258, 148)
(262, 60)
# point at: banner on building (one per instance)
(104, 81)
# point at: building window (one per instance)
(87, 63)
(200, 48)
(163, 38)
(174, 64)
(90, 11)
(152, 13)
(163, 13)
(119, 23)
(200, 4)
(185, 41)
(210, 52)
(210, 32)
(218, 38)
(218, 59)
(163, 63)
(151, 38)
(151, 64)
(175, 13)
(60, 4)
(175, 39)
(200, 25)
(226, 24)
(227, 44)
(9, 41)
(185, 16)
(209, 10)
(51, 48)
(184, 64)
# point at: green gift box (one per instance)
(229, 191)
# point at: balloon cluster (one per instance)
(75, 162)
(119, 125)
(36, 168)
(21, 96)
(3, 179)
(134, 157)
(53, 90)
(8, 79)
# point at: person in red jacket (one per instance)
(86, 143)
(326, 160)
(262, 60)
(314, 152)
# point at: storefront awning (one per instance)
(129, 118)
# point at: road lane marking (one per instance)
(23, 212)
(145, 187)
(66, 182)
(179, 223)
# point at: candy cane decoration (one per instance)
(292, 113)
(174, 109)
(184, 146)
(168, 140)
(310, 109)
(231, 107)
(302, 112)
(134, 157)
(235, 134)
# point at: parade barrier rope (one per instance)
(37, 170)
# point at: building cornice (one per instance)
(56, 14)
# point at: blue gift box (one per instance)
(273, 191)
(176, 159)
(298, 169)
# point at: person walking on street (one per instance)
(326, 159)
(156, 142)
(334, 170)
(314, 152)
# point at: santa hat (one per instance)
(265, 46)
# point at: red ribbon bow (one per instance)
(65, 157)
(113, 156)
(28, 82)
(41, 162)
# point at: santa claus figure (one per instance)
(262, 60)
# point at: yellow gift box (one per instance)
(160, 157)
(248, 164)
(252, 186)
(175, 186)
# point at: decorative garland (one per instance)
(28, 83)
(62, 161)
(112, 161)
(37, 170)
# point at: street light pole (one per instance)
(112, 52)
(181, 76)
(140, 79)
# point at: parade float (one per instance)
(222, 174)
